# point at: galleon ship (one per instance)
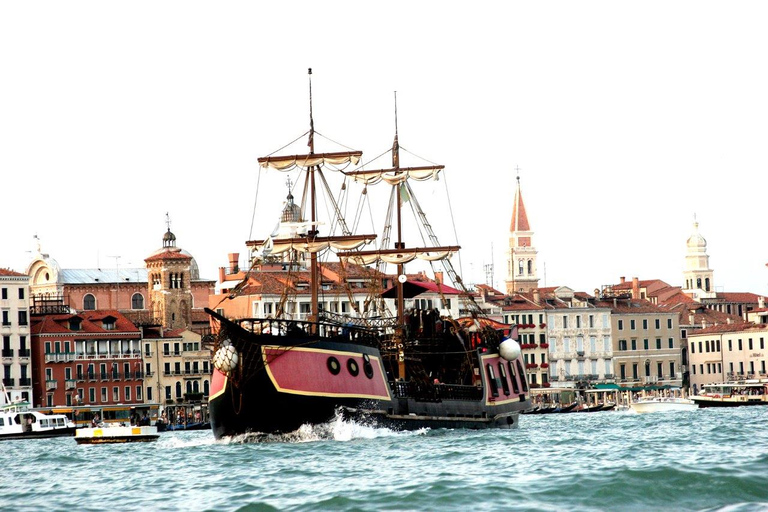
(401, 369)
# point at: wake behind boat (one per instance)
(414, 369)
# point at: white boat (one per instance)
(18, 421)
(116, 434)
(661, 403)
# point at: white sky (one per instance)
(626, 119)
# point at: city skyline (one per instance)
(624, 123)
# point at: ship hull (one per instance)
(296, 388)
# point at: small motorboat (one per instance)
(659, 404)
(116, 434)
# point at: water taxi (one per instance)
(18, 421)
(733, 394)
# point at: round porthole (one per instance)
(367, 366)
(333, 365)
(352, 367)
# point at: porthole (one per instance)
(354, 370)
(367, 366)
(333, 365)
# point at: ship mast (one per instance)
(312, 233)
(312, 163)
(400, 335)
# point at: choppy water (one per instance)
(699, 460)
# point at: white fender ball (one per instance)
(509, 349)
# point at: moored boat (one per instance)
(116, 434)
(733, 394)
(661, 404)
(277, 374)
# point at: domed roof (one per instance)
(291, 211)
(169, 239)
(696, 240)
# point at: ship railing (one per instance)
(435, 392)
(342, 333)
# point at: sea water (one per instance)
(706, 459)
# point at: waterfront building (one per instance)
(88, 358)
(646, 346)
(727, 352)
(521, 257)
(580, 346)
(177, 366)
(14, 329)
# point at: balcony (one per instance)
(104, 376)
(70, 384)
(9, 382)
(51, 385)
(8, 352)
(25, 382)
(25, 353)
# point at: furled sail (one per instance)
(311, 245)
(399, 256)
(289, 162)
(396, 175)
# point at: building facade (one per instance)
(727, 352)
(15, 333)
(89, 358)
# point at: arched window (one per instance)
(698, 282)
(137, 301)
(178, 390)
(189, 386)
(706, 284)
(195, 387)
(520, 267)
(89, 302)
(530, 267)
(206, 388)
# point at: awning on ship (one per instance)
(413, 288)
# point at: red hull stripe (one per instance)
(494, 360)
(304, 371)
(218, 384)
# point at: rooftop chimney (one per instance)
(635, 288)
(622, 280)
(761, 302)
(536, 296)
(233, 257)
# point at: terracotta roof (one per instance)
(722, 328)
(91, 323)
(738, 297)
(630, 306)
(169, 254)
(12, 273)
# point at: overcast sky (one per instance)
(626, 119)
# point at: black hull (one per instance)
(283, 382)
(713, 403)
(59, 432)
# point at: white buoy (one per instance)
(509, 349)
(226, 358)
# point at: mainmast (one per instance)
(398, 178)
